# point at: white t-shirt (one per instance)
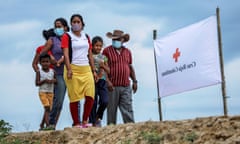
(80, 48)
(46, 75)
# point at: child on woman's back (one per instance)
(101, 97)
(45, 79)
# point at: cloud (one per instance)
(20, 103)
(20, 39)
(18, 29)
(18, 86)
(232, 85)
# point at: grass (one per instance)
(127, 141)
(151, 137)
(191, 137)
(5, 130)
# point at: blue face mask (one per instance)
(59, 31)
(116, 44)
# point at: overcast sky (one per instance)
(22, 23)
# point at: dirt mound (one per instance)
(209, 130)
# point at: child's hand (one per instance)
(58, 64)
(48, 81)
(101, 63)
(53, 61)
(110, 85)
(95, 76)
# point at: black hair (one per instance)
(44, 55)
(96, 39)
(48, 33)
(63, 22)
(80, 17)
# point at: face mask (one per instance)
(76, 27)
(59, 31)
(116, 44)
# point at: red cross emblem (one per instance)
(176, 54)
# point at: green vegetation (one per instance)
(127, 141)
(5, 129)
(17, 141)
(191, 137)
(151, 137)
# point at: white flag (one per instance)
(188, 58)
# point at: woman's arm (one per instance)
(91, 62)
(67, 62)
(47, 46)
(65, 48)
(60, 61)
(35, 62)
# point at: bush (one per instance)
(151, 137)
(191, 137)
(5, 129)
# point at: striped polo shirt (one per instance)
(119, 64)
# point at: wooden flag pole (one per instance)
(159, 98)
(221, 64)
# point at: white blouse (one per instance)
(80, 48)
